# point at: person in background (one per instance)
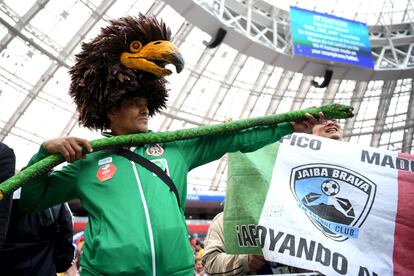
(217, 262)
(328, 128)
(7, 168)
(192, 244)
(38, 244)
(199, 249)
(198, 267)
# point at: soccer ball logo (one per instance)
(330, 187)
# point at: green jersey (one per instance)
(135, 224)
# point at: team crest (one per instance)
(337, 200)
(154, 150)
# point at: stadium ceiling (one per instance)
(251, 73)
(262, 30)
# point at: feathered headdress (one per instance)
(126, 60)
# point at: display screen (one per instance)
(330, 38)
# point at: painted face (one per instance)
(131, 117)
(329, 128)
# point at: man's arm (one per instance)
(60, 186)
(203, 150)
(215, 259)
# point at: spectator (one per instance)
(215, 259)
(38, 244)
(199, 249)
(7, 168)
(327, 128)
(217, 262)
(136, 222)
(198, 267)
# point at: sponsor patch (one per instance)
(104, 161)
(337, 200)
(154, 150)
(106, 172)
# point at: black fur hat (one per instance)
(100, 81)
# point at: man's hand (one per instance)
(307, 124)
(69, 147)
(255, 262)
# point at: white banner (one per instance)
(331, 207)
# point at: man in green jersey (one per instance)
(136, 222)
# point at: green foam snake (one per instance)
(336, 111)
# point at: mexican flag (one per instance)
(324, 205)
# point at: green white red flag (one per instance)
(325, 205)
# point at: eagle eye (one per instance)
(135, 46)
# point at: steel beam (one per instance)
(260, 30)
(51, 70)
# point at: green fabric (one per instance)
(42, 166)
(117, 237)
(250, 172)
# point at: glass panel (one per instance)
(19, 7)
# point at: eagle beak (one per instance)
(153, 58)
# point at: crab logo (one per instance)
(337, 200)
